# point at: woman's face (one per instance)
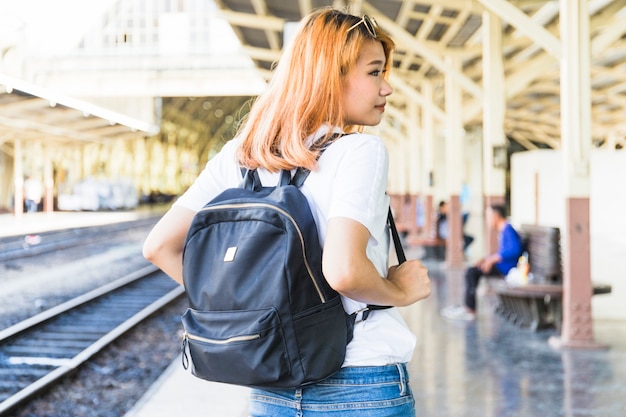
(365, 89)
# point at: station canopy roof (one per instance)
(427, 31)
(33, 112)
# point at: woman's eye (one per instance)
(375, 73)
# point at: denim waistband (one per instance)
(363, 375)
(352, 391)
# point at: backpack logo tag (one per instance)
(230, 254)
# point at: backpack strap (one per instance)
(302, 173)
(397, 243)
(251, 179)
(396, 238)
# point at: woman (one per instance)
(330, 79)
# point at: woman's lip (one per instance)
(381, 107)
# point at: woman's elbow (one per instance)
(157, 247)
(151, 249)
(341, 279)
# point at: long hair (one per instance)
(305, 92)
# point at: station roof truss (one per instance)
(428, 31)
(31, 112)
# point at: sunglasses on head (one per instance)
(369, 23)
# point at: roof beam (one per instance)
(399, 115)
(609, 35)
(261, 54)
(253, 21)
(404, 37)
(305, 7)
(523, 23)
(471, 5)
(516, 83)
(260, 7)
(47, 129)
(401, 85)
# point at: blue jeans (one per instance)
(372, 391)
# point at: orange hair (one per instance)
(305, 92)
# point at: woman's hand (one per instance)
(412, 279)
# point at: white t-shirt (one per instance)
(350, 182)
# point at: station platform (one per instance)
(40, 222)
(483, 368)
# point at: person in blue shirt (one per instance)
(510, 248)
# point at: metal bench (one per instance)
(538, 304)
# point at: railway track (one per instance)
(16, 247)
(37, 352)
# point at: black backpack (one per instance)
(261, 313)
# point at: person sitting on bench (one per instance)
(510, 248)
(440, 227)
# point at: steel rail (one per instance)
(46, 370)
(17, 247)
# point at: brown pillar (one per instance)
(454, 243)
(411, 215)
(577, 330)
(491, 234)
(428, 216)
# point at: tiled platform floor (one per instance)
(487, 368)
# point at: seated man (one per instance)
(440, 227)
(498, 264)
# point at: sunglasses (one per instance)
(369, 23)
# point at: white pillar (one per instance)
(454, 163)
(428, 155)
(414, 148)
(18, 178)
(48, 180)
(414, 169)
(494, 106)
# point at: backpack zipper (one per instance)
(187, 337)
(292, 220)
(245, 338)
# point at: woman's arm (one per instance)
(349, 271)
(164, 244)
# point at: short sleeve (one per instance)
(221, 172)
(358, 190)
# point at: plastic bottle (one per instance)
(523, 267)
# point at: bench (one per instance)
(433, 248)
(538, 304)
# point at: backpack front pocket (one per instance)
(236, 347)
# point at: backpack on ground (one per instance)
(261, 313)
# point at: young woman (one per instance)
(332, 78)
